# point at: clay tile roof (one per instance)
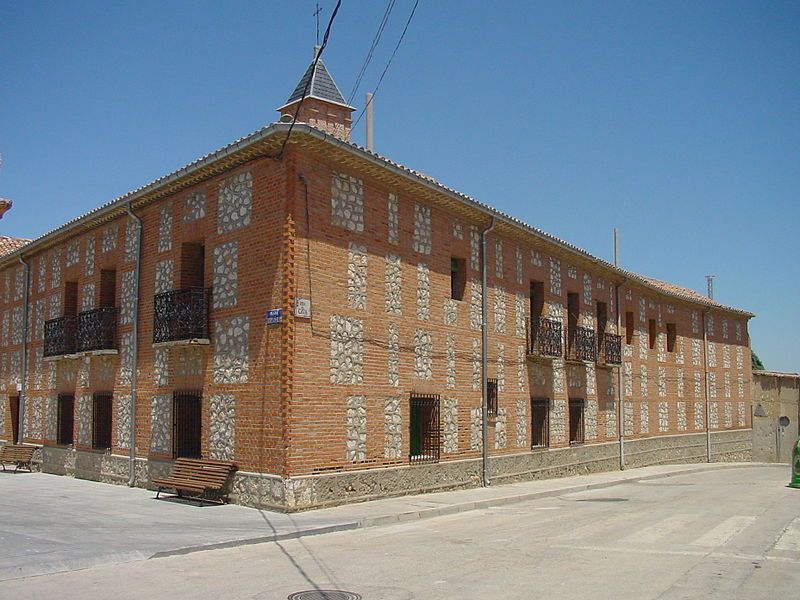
(677, 290)
(9, 244)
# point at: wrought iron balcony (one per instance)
(546, 337)
(181, 315)
(59, 336)
(610, 351)
(581, 345)
(97, 329)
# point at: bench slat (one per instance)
(197, 475)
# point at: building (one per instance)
(315, 312)
(776, 413)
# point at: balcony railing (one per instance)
(59, 336)
(97, 329)
(610, 351)
(181, 315)
(581, 344)
(546, 337)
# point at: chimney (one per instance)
(323, 106)
(369, 122)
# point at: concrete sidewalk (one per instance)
(50, 523)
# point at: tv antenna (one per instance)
(710, 286)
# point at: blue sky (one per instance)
(676, 122)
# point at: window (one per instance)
(575, 421)
(672, 336)
(491, 396)
(66, 419)
(652, 330)
(108, 288)
(424, 429)
(101, 421)
(14, 401)
(573, 311)
(70, 298)
(458, 278)
(629, 327)
(186, 424)
(540, 422)
(602, 320)
(193, 264)
(537, 298)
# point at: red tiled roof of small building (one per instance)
(9, 244)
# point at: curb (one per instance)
(450, 509)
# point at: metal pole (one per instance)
(369, 122)
(485, 355)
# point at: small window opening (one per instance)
(193, 265)
(537, 299)
(458, 278)
(491, 396)
(70, 298)
(108, 288)
(629, 327)
(652, 331)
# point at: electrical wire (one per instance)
(368, 58)
(391, 58)
(310, 79)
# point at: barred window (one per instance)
(576, 411)
(540, 422)
(186, 424)
(424, 429)
(491, 396)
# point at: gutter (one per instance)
(485, 356)
(706, 388)
(134, 344)
(25, 327)
(620, 382)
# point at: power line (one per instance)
(400, 41)
(375, 41)
(310, 79)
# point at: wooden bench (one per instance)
(198, 477)
(19, 456)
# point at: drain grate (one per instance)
(324, 595)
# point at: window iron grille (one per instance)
(576, 425)
(97, 329)
(186, 424)
(491, 397)
(425, 431)
(14, 401)
(101, 420)
(181, 315)
(59, 336)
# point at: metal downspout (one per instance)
(134, 344)
(706, 387)
(485, 355)
(620, 382)
(23, 392)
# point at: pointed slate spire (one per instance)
(324, 105)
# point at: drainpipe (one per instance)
(485, 355)
(707, 388)
(620, 382)
(134, 344)
(23, 395)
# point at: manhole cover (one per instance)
(324, 595)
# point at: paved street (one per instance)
(728, 533)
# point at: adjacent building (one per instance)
(331, 321)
